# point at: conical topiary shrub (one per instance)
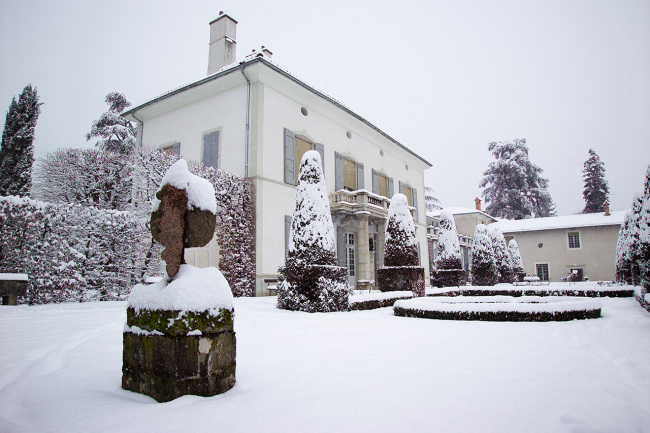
(515, 258)
(311, 280)
(484, 269)
(501, 257)
(448, 265)
(401, 270)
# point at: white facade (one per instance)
(278, 103)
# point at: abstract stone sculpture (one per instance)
(179, 336)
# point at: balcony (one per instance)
(360, 202)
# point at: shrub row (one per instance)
(499, 316)
(590, 293)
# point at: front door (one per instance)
(350, 255)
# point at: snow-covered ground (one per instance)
(365, 371)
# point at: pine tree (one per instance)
(514, 188)
(17, 150)
(115, 133)
(596, 191)
(431, 202)
(484, 268)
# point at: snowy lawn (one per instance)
(60, 371)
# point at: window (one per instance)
(382, 185)
(302, 146)
(172, 149)
(574, 240)
(412, 197)
(408, 192)
(542, 271)
(349, 245)
(348, 173)
(211, 149)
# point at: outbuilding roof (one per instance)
(562, 222)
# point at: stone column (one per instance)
(364, 274)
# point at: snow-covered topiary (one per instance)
(484, 268)
(623, 252)
(501, 257)
(448, 265)
(310, 279)
(401, 270)
(401, 244)
(515, 258)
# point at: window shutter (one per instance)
(415, 203)
(176, 149)
(360, 177)
(338, 171)
(340, 247)
(287, 233)
(419, 255)
(320, 148)
(211, 149)
(375, 182)
(289, 157)
(401, 187)
(391, 188)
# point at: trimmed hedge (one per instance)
(448, 277)
(589, 293)
(398, 278)
(373, 304)
(498, 316)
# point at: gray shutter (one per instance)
(360, 177)
(289, 157)
(391, 188)
(340, 247)
(287, 233)
(176, 149)
(211, 149)
(375, 182)
(338, 171)
(415, 203)
(401, 187)
(320, 148)
(419, 255)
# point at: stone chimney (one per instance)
(477, 202)
(607, 208)
(223, 32)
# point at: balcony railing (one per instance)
(361, 201)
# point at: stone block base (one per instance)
(397, 278)
(166, 367)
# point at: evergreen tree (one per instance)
(17, 150)
(596, 191)
(401, 244)
(448, 266)
(515, 258)
(115, 133)
(484, 268)
(514, 188)
(431, 202)
(501, 257)
(623, 252)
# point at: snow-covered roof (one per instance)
(561, 222)
(259, 58)
(455, 210)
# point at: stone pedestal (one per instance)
(10, 289)
(168, 354)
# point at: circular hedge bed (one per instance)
(500, 308)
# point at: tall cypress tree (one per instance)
(596, 191)
(17, 150)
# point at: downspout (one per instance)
(248, 111)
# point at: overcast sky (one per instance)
(442, 77)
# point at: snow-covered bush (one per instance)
(401, 269)
(70, 252)
(448, 265)
(310, 279)
(623, 253)
(515, 258)
(501, 257)
(484, 269)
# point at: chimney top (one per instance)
(223, 15)
(607, 208)
(222, 48)
(477, 201)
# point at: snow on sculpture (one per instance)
(179, 336)
(310, 279)
(401, 270)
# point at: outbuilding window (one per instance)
(574, 240)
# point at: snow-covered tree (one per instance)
(623, 252)
(484, 268)
(310, 279)
(431, 202)
(401, 244)
(501, 257)
(448, 265)
(514, 187)
(634, 236)
(515, 258)
(114, 132)
(596, 190)
(89, 177)
(17, 149)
